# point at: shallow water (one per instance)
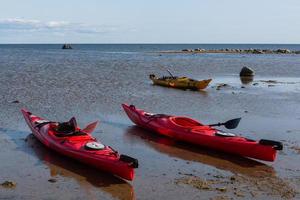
(91, 84)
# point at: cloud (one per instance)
(30, 25)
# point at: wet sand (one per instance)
(92, 85)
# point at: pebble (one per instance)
(222, 189)
(8, 184)
(52, 180)
(239, 194)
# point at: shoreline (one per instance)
(234, 51)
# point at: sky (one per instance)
(151, 21)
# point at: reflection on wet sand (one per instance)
(86, 177)
(204, 93)
(246, 79)
(189, 152)
(250, 177)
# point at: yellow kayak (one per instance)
(180, 82)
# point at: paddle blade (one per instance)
(90, 127)
(73, 122)
(232, 124)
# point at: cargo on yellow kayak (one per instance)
(180, 82)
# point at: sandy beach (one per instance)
(92, 84)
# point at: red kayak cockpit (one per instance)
(185, 122)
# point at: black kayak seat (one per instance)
(67, 128)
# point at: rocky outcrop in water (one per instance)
(8, 184)
(241, 51)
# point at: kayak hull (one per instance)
(191, 131)
(180, 82)
(75, 147)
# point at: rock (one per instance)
(221, 198)
(239, 194)
(218, 176)
(187, 50)
(296, 148)
(270, 81)
(8, 184)
(52, 180)
(221, 189)
(221, 85)
(283, 51)
(199, 50)
(253, 194)
(249, 50)
(66, 46)
(247, 71)
(297, 52)
(268, 51)
(196, 182)
(257, 51)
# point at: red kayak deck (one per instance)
(75, 146)
(191, 131)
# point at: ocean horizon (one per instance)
(145, 47)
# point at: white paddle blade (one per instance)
(90, 127)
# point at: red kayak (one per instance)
(191, 131)
(68, 139)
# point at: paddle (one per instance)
(91, 127)
(230, 124)
(170, 73)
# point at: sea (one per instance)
(91, 81)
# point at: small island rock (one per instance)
(66, 46)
